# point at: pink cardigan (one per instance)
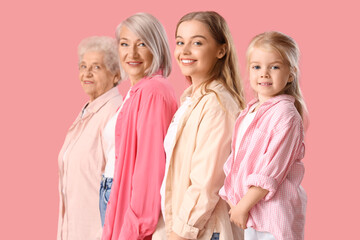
(269, 157)
(134, 206)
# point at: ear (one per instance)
(116, 78)
(222, 51)
(292, 76)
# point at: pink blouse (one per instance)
(134, 206)
(270, 157)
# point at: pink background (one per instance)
(41, 96)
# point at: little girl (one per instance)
(264, 169)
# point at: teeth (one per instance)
(187, 61)
(134, 63)
(265, 84)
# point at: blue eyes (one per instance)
(196, 43)
(127, 45)
(257, 67)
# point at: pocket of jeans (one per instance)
(107, 195)
(215, 236)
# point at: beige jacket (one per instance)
(81, 163)
(193, 208)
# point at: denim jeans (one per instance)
(215, 236)
(104, 194)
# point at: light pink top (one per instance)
(134, 206)
(81, 162)
(270, 157)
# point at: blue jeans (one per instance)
(215, 236)
(104, 194)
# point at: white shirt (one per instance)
(109, 141)
(245, 123)
(169, 144)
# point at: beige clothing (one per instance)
(193, 208)
(81, 163)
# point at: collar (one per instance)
(95, 105)
(200, 91)
(271, 101)
(142, 81)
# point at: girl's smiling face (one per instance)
(268, 73)
(196, 50)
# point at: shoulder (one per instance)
(282, 114)
(157, 86)
(218, 99)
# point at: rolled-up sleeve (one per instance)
(143, 212)
(283, 148)
(206, 176)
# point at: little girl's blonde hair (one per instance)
(287, 48)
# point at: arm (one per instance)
(239, 214)
(206, 175)
(282, 149)
(142, 215)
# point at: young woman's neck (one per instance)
(197, 82)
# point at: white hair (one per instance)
(107, 46)
(149, 30)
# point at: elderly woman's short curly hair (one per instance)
(149, 30)
(106, 45)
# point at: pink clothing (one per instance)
(134, 206)
(81, 162)
(270, 157)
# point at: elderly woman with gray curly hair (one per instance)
(82, 158)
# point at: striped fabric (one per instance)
(269, 157)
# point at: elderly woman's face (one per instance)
(135, 56)
(94, 76)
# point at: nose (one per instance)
(264, 74)
(88, 71)
(134, 51)
(186, 49)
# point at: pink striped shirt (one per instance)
(269, 157)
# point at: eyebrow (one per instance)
(269, 63)
(195, 36)
(137, 40)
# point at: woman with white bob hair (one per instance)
(134, 206)
(81, 159)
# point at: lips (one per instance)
(134, 63)
(87, 82)
(186, 61)
(265, 84)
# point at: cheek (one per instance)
(176, 52)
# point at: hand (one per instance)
(174, 236)
(230, 204)
(239, 216)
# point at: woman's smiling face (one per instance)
(135, 56)
(95, 78)
(196, 50)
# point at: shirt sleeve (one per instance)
(206, 176)
(142, 215)
(282, 149)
